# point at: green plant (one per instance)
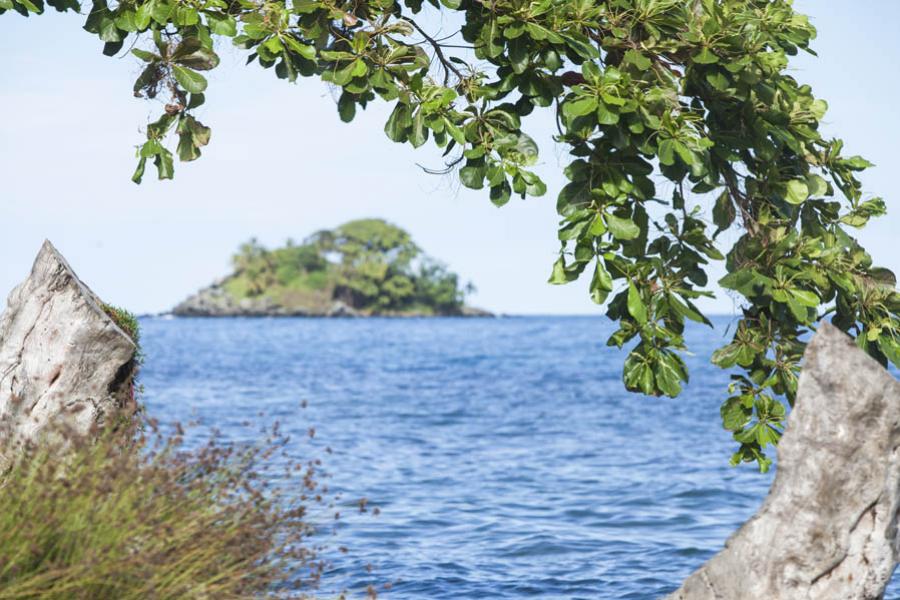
(693, 94)
(128, 417)
(369, 264)
(125, 320)
(114, 519)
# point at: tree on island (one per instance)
(694, 91)
(370, 265)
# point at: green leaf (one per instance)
(191, 81)
(606, 114)
(519, 54)
(112, 48)
(857, 163)
(145, 56)
(307, 51)
(601, 283)
(636, 307)
(724, 212)
(165, 167)
(150, 148)
(139, 171)
(109, 31)
(398, 123)
(666, 152)
(192, 54)
(346, 107)
(580, 106)
(302, 7)
(142, 16)
(500, 193)
(669, 373)
(186, 149)
(637, 59)
(741, 281)
(559, 276)
(472, 176)
(718, 81)
(598, 227)
(687, 309)
(221, 24)
(638, 374)
(195, 100)
(455, 132)
(805, 297)
(581, 45)
(705, 57)
(727, 356)
(527, 149)
(736, 412)
(185, 16)
(126, 21)
(419, 134)
(161, 11)
(798, 310)
(817, 186)
(890, 347)
(622, 228)
(200, 60)
(797, 191)
(684, 153)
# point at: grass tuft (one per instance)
(126, 321)
(112, 521)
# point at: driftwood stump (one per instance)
(63, 360)
(828, 528)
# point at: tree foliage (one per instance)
(369, 264)
(662, 104)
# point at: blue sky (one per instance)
(281, 164)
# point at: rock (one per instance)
(828, 528)
(342, 309)
(216, 301)
(472, 311)
(62, 358)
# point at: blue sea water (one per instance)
(505, 457)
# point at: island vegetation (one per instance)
(365, 267)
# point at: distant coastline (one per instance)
(215, 301)
(364, 268)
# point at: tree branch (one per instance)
(439, 54)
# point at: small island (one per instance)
(363, 268)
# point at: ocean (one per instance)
(504, 455)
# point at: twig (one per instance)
(448, 66)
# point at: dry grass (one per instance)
(120, 519)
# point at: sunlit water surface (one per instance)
(504, 454)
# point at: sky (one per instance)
(281, 165)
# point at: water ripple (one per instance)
(505, 457)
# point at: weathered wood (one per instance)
(828, 528)
(62, 358)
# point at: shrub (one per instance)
(120, 519)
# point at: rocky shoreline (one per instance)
(215, 301)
